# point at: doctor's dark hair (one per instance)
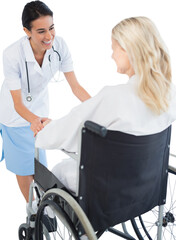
(34, 10)
(150, 59)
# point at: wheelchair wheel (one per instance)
(69, 220)
(24, 232)
(145, 226)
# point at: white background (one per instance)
(86, 27)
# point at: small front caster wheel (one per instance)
(25, 232)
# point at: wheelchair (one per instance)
(122, 179)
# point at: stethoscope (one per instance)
(29, 96)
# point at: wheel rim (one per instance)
(64, 229)
(76, 214)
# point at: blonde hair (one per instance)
(149, 58)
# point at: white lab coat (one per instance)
(14, 58)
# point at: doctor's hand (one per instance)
(46, 121)
(37, 125)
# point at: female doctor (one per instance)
(29, 64)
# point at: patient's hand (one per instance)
(46, 122)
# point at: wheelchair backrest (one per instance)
(122, 175)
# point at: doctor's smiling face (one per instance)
(42, 33)
(119, 55)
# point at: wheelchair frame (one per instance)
(148, 227)
(31, 230)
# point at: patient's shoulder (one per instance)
(117, 89)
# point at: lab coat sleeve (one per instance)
(63, 133)
(11, 71)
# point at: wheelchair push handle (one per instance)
(96, 128)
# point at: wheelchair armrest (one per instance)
(96, 128)
(70, 154)
(36, 156)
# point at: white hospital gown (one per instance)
(116, 108)
(65, 171)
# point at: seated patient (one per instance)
(146, 104)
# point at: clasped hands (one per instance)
(38, 124)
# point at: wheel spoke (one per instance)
(68, 216)
(150, 219)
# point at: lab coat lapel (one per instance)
(37, 68)
(29, 56)
(28, 53)
(46, 58)
(44, 64)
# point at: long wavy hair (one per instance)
(149, 58)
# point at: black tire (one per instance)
(145, 226)
(69, 224)
(43, 229)
(25, 232)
